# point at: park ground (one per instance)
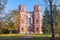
(25, 37)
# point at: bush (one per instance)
(14, 31)
(5, 31)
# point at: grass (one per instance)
(12, 34)
(42, 35)
(20, 37)
(34, 35)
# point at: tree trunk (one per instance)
(10, 31)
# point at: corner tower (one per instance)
(37, 19)
(22, 11)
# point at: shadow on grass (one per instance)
(21, 38)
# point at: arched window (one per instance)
(22, 21)
(22, 29)
(30, 28)
(37, 14)
(30, 20)
(36, 28)
(37, 21)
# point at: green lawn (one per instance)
(20, 37)
(42, 35)
(12, 34)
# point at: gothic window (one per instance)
(30, 20)
(36, 28)
(37, 14)
(22, 14)
(22, 21)
(30, 28)
(22, 29)
(37, 21)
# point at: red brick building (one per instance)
(30, 22)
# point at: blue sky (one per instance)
(14, 4)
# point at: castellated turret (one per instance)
(37, 8)
(37, 19)
(22, 8)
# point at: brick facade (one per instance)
(30, 22)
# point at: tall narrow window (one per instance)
(30, 28)
(37, 14)
(30, 20)
(36, 28)
(22, 21)
(37, 21)
(22, 29)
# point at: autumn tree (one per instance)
(10, 20)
